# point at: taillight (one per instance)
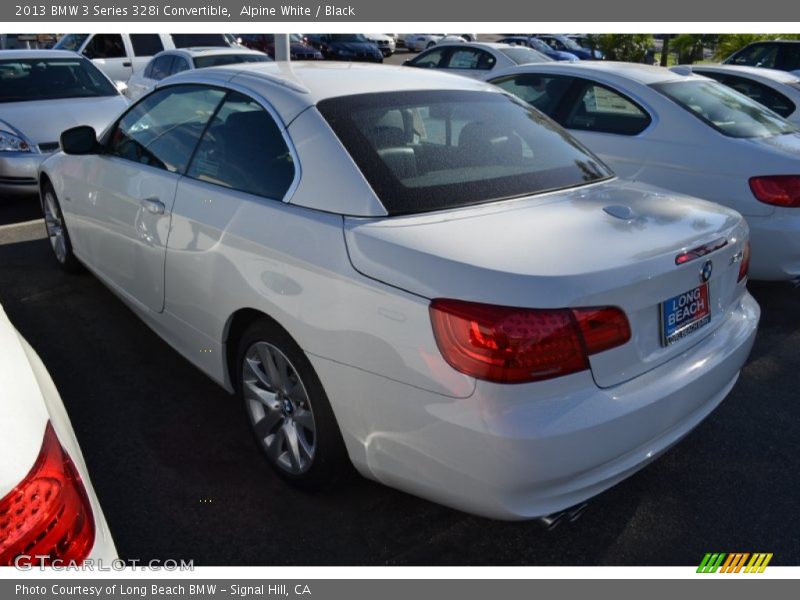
(778, 190)
(744, 266)
(48, 513)
(515, 345)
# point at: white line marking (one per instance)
(23, 224)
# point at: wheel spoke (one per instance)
(283, 369)
(266, 426)
(305, 448)
(304, 418)
(292, 445)
(267, 357)
(275, 445)
(253, 367)
(265, 397)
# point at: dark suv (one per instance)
(783, 55)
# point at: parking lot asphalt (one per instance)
(179, 476)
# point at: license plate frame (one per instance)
(684, 314)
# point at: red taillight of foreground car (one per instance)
(517, 345)
(744, 265)
(778, 190)
(48, 513)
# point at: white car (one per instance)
(685, 133)
(49, 513)
(479, 60)
(417, 42)
(777, 90)
(119, 55)
(414, 271)
(169, 62)
(42, 93)
(386, 43)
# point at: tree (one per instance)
(626, 47)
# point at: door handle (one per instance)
(154, 206)
(127, 63)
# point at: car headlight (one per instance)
(13, 143)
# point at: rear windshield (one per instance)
(193, 40)
(726, 110)
(50, 79)
(71, 41)
(218, 60)
(432, 150)
(522, 55)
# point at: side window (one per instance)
(146, 44)
(162, 130)
(243, 149)
(543, 92)
(772, 99)
(148, 70)
(162, 67)
(599, 108)
(789, 57)
(430, 59)
(760, 55)
(470, 58)
(105, 45)
(179, 64)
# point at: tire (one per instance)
(287, 408)
(57, 232)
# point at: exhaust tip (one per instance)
(575, 513)
(550, 522)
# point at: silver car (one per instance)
(42, 93)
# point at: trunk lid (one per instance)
(608, 244)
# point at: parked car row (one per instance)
(524, 285)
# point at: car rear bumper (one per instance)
(18, 173)
(523, 451)
(775, 244)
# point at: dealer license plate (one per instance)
(684, 314)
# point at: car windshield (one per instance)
(522, 55)
(430, 150)
(296, 38)
(726, 110)
(347, 37)
(30, 79)
(539, 45)
(71, 41)
(569, 43)
(218, 60)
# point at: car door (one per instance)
(471, 62)
(126, 216)
(109, 52)
(609, 123)
(243, 166)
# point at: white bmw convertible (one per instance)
(411, 271)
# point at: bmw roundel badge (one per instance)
(705, 272)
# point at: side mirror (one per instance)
(121, 86)
(79, 140)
